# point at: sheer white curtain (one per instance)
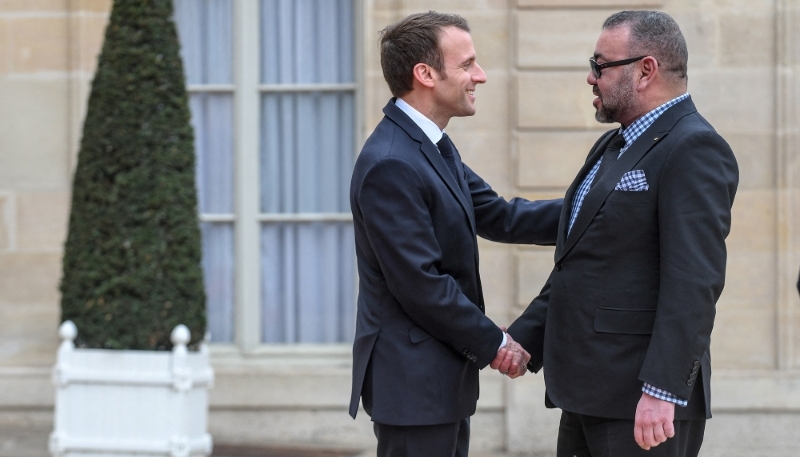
(205, 29)
(307, 148)
(307, 41)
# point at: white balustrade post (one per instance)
(181, 383)
(181, 373)
(60, 376)
(68, 332)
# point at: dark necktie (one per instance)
(609, 156)
(448, 154)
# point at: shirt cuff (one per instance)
(663, 395)
(505, 340)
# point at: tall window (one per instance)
(206, 35)
(307, 143)
(304, 148)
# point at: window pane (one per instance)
(307, 41)
(205, 29)
(308, 284)
(307, 150)
(218, 279)
(212, 120)
(306, 158)
(206, 35)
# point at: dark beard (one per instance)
(620, 100)
(605, 114)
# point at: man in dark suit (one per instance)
(421, 332)
(640, 258)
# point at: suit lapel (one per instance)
(602, 188)
(566, 209)
(431, 153)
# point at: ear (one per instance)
(648, 72)
(424, 74)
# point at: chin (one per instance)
(603, 116)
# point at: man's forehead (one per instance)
(612, 42)
(457, 43)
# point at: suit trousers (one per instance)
(588, 436)
(442, 440)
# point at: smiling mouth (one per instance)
(471, 93)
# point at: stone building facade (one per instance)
(533, 129)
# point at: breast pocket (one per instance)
(629, 197)
(624, 321)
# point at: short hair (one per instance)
(653, 33)
(412, 40)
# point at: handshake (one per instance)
(512, 359)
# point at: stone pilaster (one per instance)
(787, 100)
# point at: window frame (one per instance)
(247, 218)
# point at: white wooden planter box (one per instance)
(126, 403)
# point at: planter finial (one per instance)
(68, 331)
(180, 337)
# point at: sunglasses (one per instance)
(597, 68)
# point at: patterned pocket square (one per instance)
(633, 181)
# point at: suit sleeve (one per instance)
(516, 221)
(393, 200)
(528, 328)
(695, 194)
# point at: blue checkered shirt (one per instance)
(631, 134)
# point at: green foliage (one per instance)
(132, 257)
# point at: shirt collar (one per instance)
(429, 127)
(635, 130)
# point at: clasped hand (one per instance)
(512, 359)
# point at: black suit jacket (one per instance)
(632, 296)
(421, 332)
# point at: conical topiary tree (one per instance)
(132, 257)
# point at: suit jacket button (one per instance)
(695, 364)
(690, 382)
(694, 370)
(558, 266)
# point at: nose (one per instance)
(479, 77)
(591, 79)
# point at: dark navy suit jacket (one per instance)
(421, 331)
(631, 298)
